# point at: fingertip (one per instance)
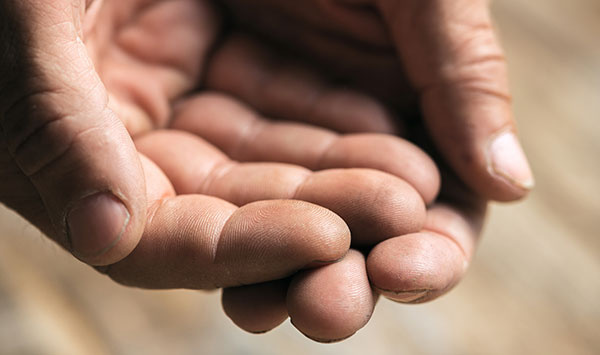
(257, 308)
(292, 232)
(374, 204)
(415, 268)
(100, 229)
(507, 163)
(104, 227)
(332, 303)
(95, 229)
(485, 153)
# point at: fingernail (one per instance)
(259, 332)
(321, 340)
(407, 297)
(96, 224)
(507, 160)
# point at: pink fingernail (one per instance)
(507, 160)
(96, 224)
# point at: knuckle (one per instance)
(27, 114)
(42, 148)
(37, 133)
(484, 88)
(480, 62)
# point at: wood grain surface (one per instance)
(534, 287)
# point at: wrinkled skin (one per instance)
(89, 108)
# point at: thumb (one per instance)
(60, 133)
(451, 55)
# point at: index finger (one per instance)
(202, 242)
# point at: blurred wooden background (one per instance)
(533, 289)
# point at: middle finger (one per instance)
(375, 205)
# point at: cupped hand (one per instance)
(81, 78)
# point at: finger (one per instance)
(242, 135)
(202, 242)
(277, 86)
(375, 205)
(257, 308)
(61, 135)
(333, 302)
(454, 60)
(323, 305)
(419, 267)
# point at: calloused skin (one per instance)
(201, 215)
